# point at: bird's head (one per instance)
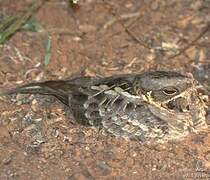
(177, 97)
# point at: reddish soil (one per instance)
(38, 140)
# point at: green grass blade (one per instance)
(48, 49)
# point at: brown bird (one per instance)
(152, 106)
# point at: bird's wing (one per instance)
(95, 95)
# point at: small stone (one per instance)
(154, 5)
(103, 168)
(207, 156)
(134, 154)
(34, 105)
(77, 39)
(129, 5)
(154, 168)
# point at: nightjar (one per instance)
(152, 106)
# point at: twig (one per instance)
(119, 18)
(131, 34)
(206, 29)
(59, 31)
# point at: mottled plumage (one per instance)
(157, 105)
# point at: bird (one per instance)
(152, 106)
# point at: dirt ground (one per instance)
(38, 140)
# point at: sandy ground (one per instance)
(38, 140)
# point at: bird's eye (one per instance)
(169, 90)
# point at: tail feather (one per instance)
(59, 89)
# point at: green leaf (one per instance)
(48, 49)
(12, 24)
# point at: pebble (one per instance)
(34, 105)
(154, 5)
(207, 156)
(103, 168)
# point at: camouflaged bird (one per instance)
(152, 106)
